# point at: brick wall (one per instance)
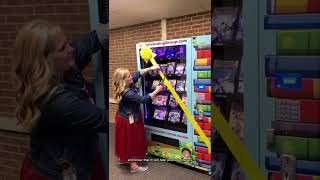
(13, 146)
(123, 40)
(73, 16)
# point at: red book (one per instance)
(203, 97)
(206, 89)
(201, 150)
(207, 133)
(204, 120)
(200, 155)
(201, 124)
(314, 6)
(203, 54)
(207, 157)
(275, 175)
(207, 53)
(310, 89)
(207, 126)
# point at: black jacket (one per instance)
(70, 123)
(130, 102)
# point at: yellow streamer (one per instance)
(236, 147)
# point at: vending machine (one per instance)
(170, 135)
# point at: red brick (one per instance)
(197, 17)
(10, 163)
(6, 10)
(10, 170)
(9, 93)
(44, 9)
(4, 36)
(66, 9)
(54, 1)
(8, 28)
(79, 19)
(82, 9)
(75, 1)
(4, 52)
(8, 148)
(197, 26)
(185, 19)
(5, 68)
(11, 2)
(12, 177)
(24, 10)
(187, 23)
(15, 19)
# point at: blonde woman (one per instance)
(130, 140)
(53, 105)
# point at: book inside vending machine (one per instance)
(169, 132)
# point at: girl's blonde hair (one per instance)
(119, 83)
(34, 70)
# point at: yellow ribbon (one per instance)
(236, 147)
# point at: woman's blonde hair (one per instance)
(34, 69)
(119, 83)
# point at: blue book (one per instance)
(306, 66)
(303, 167)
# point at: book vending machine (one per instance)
(170, 135)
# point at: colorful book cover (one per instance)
(173, 83)
(171, 68)
(218, 165)
(180, 69)
(237, 173)
(184, 119)
(155, 83)
(161, 100)
(184, 99)
(180, 86)
(174, 116)
(163, 68)
(160, 113)
(223, 23)
(172, 102)
(236, 120)
(239, 35)
(224, 74)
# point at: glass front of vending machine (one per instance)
(169, 133)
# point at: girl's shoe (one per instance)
(139, 169)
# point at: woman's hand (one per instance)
(155, 68)
(160, 88)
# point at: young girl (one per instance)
(129, 129)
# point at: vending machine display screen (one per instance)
(164, 111)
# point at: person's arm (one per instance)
(78, 114)
(92, 43)
(152, 68)
(139, 74)
(136, 76)
(131, 96)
